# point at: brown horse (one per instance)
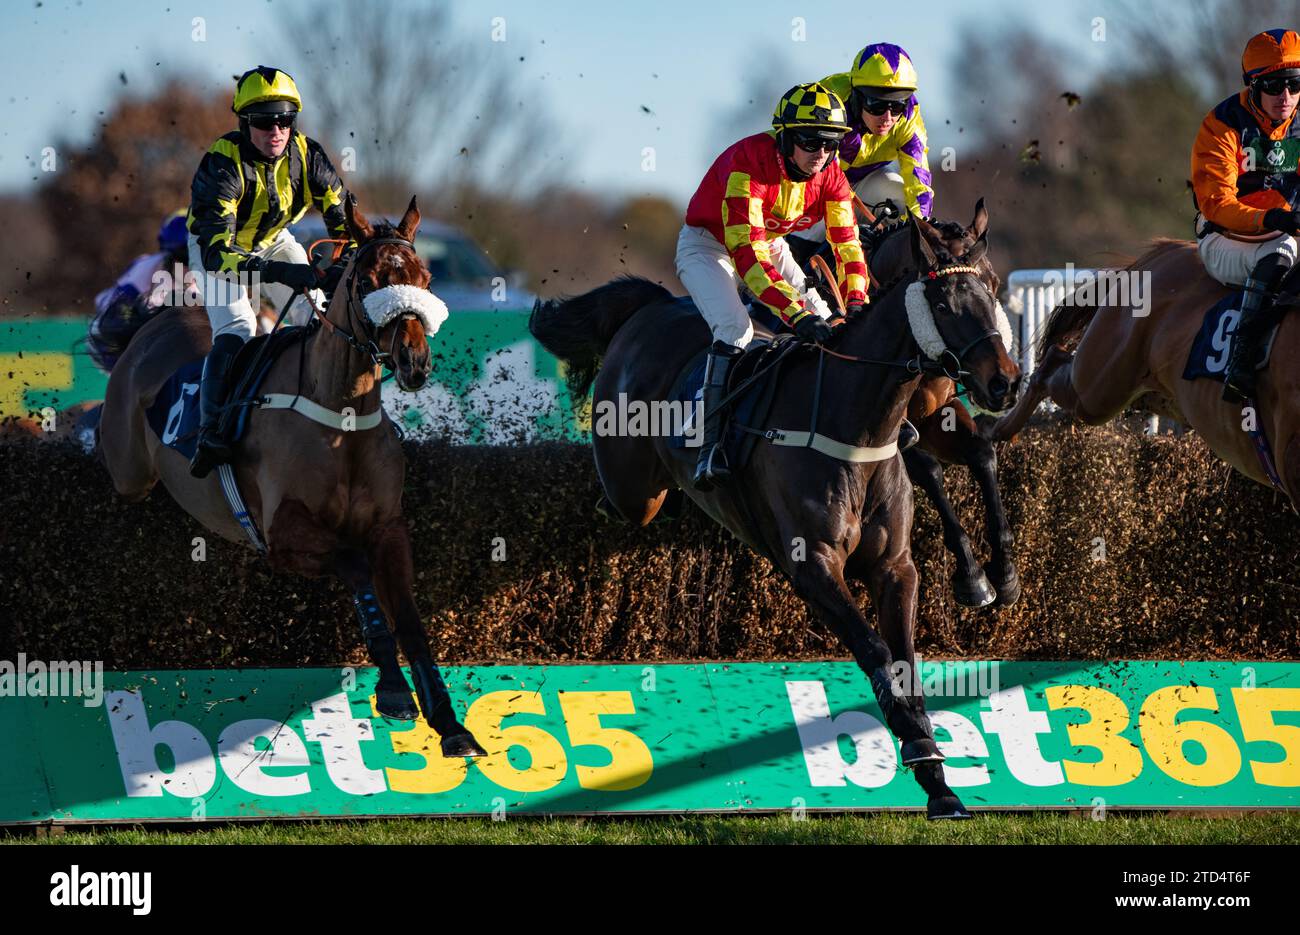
(949, 434)
(1099, 359)
(329, 499)
(820, 520)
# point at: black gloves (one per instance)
(853, 310)
(298, 276)
(332, 276)
(1283, 220)
(812, 329)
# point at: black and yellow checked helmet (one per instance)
(265, 90)
(811, 108)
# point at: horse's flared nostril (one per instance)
(999, 387)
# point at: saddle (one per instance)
(174, 413)
(751, 387)
(249, 369)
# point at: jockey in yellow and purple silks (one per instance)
(884, 154)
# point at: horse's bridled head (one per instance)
(392, 283)
(956, 319)
(405, 317)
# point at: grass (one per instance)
(992, 828)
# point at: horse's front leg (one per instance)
(970, 586)
(390, 557)
(982, 460)
(392, 693)
(892, 583)
(820, 582)
(299, 543)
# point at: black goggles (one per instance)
(1278, 85)
(267, 121)
(814, 144)
(878, 107)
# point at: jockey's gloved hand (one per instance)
(853, 310)
(332, 277)
(297, 276)
(812, 329)
(1283, 220)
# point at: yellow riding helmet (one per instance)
(812, 107)
(886, 70)
(265, 90)
(1269, 52)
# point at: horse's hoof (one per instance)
(974, 592)
(946, 808)
(924, 750)
(396, 704)
(1008, 587)
(461, 745)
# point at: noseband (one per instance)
(957, 358)
(370, 333)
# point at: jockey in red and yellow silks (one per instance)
(747, 200)
(760, 189)
(1246, 178)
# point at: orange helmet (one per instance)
(1272, 51)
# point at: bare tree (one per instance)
(420, 106)
(1201, 40)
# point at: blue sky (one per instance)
(685, 61)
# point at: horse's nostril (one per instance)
(998, 386)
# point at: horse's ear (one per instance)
(978, 250)
(410, 222)
(358, 226)
(979, 227)
(922, 251)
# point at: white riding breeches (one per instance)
(231, 310)
(709, 275)
(1231, 261)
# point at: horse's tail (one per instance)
(1067, 321)
(578, 330)
(1064, 325)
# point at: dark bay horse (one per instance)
(820, 520)
(327, 497)
(950, 434)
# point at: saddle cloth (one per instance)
(1212, 345)
(749, 409)
(174, 415)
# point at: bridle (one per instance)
(958, 358)
(949, 363)
(368, 346)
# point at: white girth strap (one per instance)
(318, 413)
(829, 446)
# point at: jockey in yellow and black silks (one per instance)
(251, 185)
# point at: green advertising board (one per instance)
(491, 383)
(724, 737)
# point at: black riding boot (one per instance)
(211, 449)
(712, 467)
(1256, 320)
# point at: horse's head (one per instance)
(390, 283)
(955, 314)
